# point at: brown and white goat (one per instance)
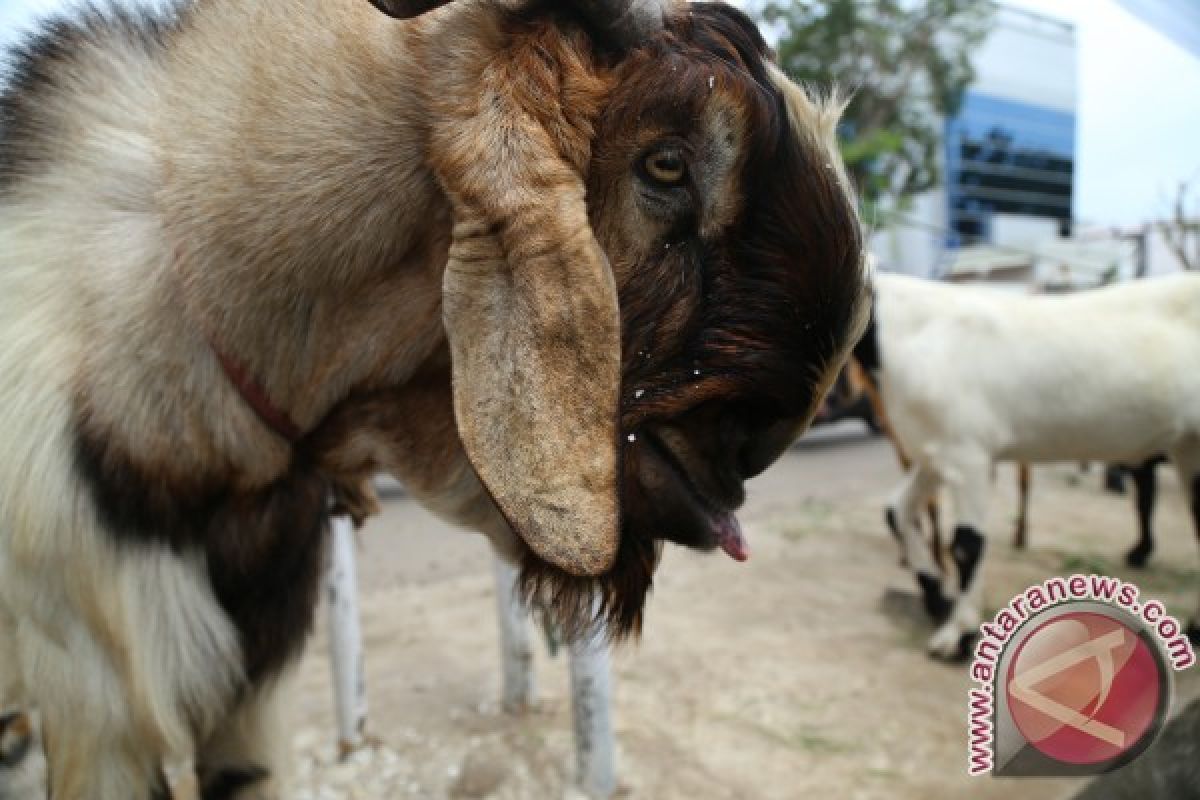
(573, 293)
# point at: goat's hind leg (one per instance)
(1145, 489)
(1187, 461)
(901, 515)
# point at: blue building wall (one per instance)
(1009, 156)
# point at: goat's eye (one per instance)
(665, 167)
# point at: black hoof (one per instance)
(224, 784)
(1193, 633)
(963, 652)
(966, 647)
(1138, 556)
(936, 604)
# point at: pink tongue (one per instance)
(730, 538)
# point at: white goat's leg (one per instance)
(591, 705)
(1186, 459)
(967, 475)
(516, 647)
(245, 757)
(919, 484)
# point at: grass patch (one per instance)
(810, 516)
(1085, 563)
(1156, 577)
(803, 739)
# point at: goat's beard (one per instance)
(614, 601)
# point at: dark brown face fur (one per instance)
(739, 279)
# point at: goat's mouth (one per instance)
(689, 508)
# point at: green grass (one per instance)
(812, 515)
(803, 739)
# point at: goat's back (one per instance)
(1105, 374)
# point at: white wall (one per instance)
(1030, 59)
(914, 246)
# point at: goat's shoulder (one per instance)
(74, 74)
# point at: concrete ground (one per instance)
(801, 673)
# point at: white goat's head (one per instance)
(656, 271)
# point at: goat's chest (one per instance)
(262, 548)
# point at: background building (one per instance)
(1008, 155)
(1007, 212)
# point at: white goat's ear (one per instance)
(530, 303)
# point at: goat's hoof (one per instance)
(1193, 633)
(1138, 556)
(951, 645)
(936, 605)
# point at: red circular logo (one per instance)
(1084, 688)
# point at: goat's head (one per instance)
(656, 271)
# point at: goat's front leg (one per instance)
(919, 484)
(22, 764)
(244, 757)
(91, 755)
(18, 740)
(967, 475)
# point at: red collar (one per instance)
(255, 395)
(251, 391)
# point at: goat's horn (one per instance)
(625, 22)
(404, 9)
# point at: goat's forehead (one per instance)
(723, 143)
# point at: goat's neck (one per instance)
(307, 231)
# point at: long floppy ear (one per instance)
(530, 304)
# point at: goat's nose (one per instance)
(762, 444)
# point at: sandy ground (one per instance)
(799, 674)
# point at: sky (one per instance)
(1138, 123)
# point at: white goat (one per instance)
(261, 250)
(970, 377)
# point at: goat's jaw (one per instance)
(679, 509)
